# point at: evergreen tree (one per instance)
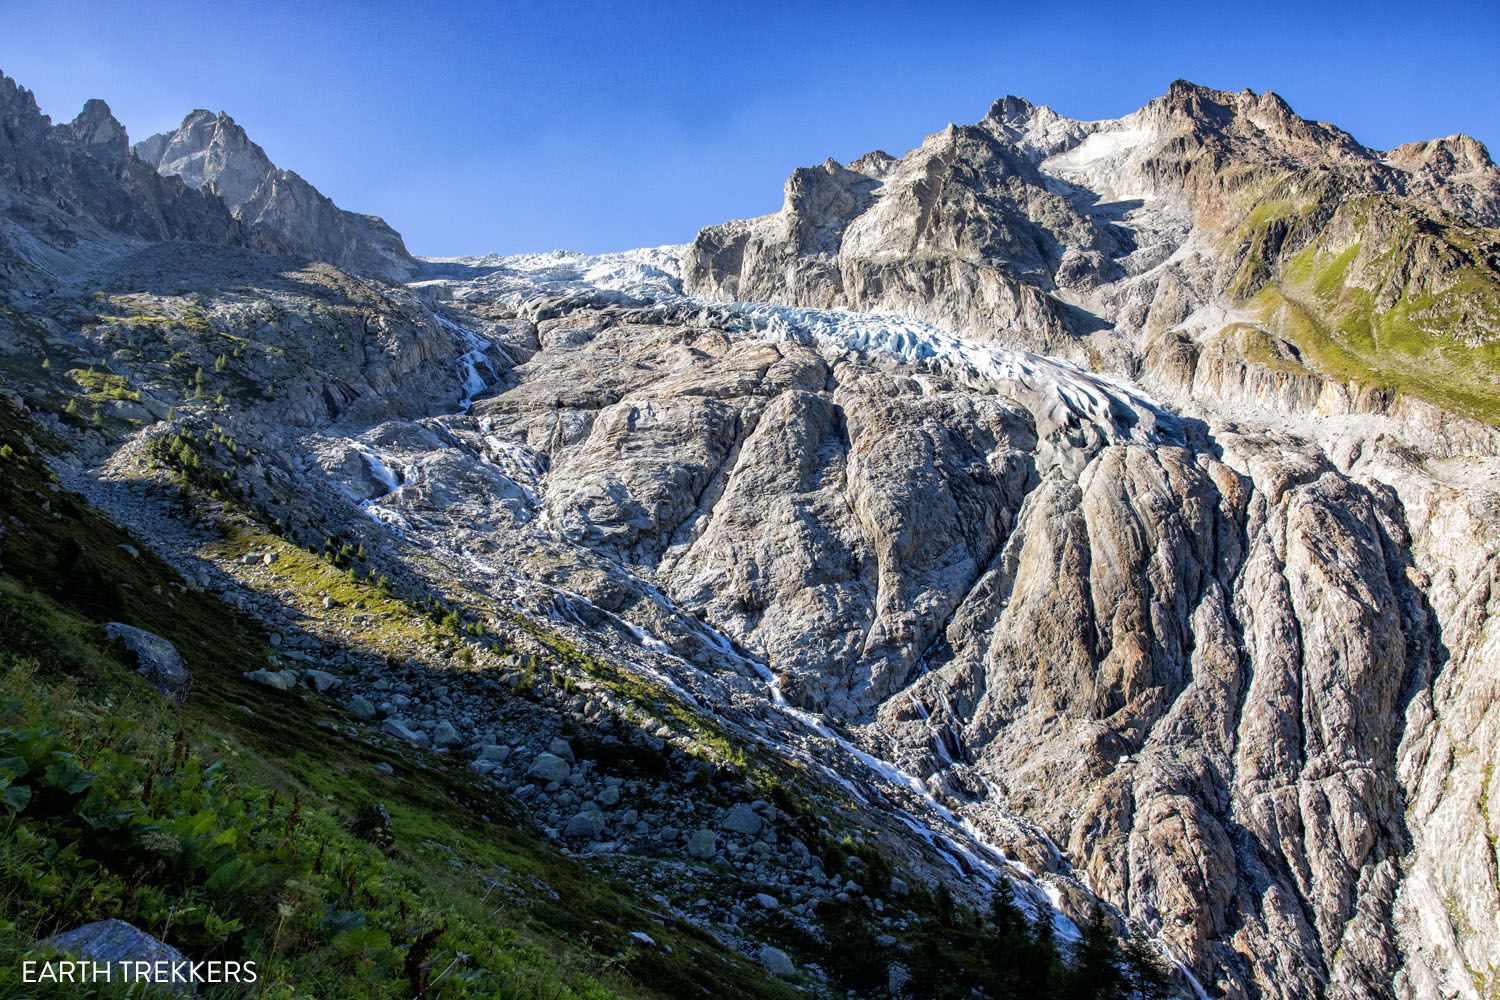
(1096, 972)
(1147, 974)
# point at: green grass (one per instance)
(1412, 306)
(104, 385)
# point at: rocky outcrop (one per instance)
(283, 213)
(1205, 665)
(157, 660)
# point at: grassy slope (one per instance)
(534, 922)
(1381, 294)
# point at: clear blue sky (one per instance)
(492, 126)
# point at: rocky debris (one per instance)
(156, 659)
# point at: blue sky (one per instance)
(492, 126)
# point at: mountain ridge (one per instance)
(1095, 512)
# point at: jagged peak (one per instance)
(1011, 108)
(97, 129)
(16, 98)
(875, 163)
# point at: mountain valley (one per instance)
(1065, 539)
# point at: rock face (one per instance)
(157, 660)
(1220, 672)
(1205, 658)
(284, 213)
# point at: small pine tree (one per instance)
(1146, 973)
(945, 914)
(220, 363)
(1096, 972)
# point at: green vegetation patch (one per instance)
(1391, 298)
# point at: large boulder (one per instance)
(741, 819)
(549, 767)
(589, 823)
(281, 680)
(156, 659)
(777, 963)
(122, 946)
(702, 844)
(445, 736)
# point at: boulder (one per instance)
(743, 820)
(360, 707)
(121, 946)
(549, 767)
(776, 962)
(589, 823)
(156, 659)
(494, 753)
(702, 844)
(399, 729)
(445, 736)
(281, 680)
(320, 681)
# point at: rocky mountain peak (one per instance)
(19, 113)
(1011, 108)
(98, 131)
(1035, 129)
(212, 152)
(1450, 156)
(875, 163)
